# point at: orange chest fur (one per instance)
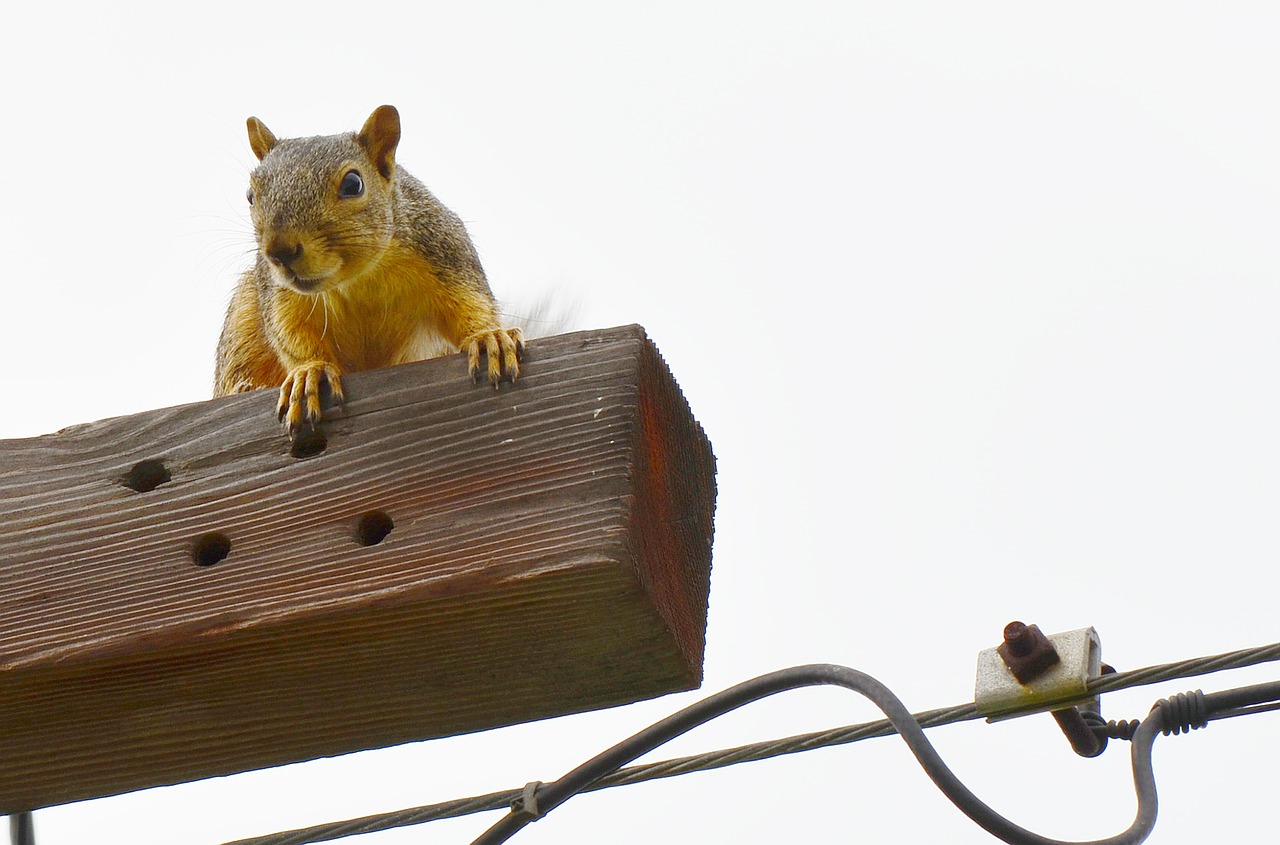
(388, 316)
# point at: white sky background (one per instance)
(976, 302)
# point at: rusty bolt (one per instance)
(1019, 639)
(1026, 651)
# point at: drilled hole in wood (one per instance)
(211, 548)
(373, 528)
(308, 442)
(146, 476)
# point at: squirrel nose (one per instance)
(284, 252)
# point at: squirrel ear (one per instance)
(260, 138)
(379, 137)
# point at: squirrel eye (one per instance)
(248, 194)
(352, 185)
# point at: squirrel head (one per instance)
(323, 207)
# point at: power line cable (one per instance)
(1185, 668)
(762, 750)
(1181, 713)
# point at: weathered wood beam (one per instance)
(181, 596)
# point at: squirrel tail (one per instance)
(551, 313)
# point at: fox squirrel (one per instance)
(358, 267)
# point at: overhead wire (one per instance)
(765, 750)
(1178, 714)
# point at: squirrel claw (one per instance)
(503, 348)
(303, 393)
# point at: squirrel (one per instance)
(358, 267)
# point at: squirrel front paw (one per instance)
(502, 347)
(302, 393)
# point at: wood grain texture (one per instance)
(550, 554)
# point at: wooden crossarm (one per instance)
(183, 596)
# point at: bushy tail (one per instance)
(548, 314)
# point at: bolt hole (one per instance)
(308, 443)
(373, 528)
(211, 548)
(146, 476)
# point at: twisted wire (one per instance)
(1103, 729)
(387, 821)
(1185, 668)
